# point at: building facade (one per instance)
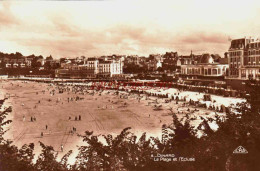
(244, 59)
(13, 63)
(92, 68)
(110, 68)
(205, 67)
(74, 71)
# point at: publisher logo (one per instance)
(240, 150)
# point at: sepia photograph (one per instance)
(129, 85)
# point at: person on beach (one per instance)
(76, 118)
(46, 127)
(31, 119)
(79, 117)
(41, 134)
(61, 148)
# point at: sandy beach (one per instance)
(103, 113)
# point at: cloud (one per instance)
(7, 18)
(60, 48)
(204, 37)
(65, 39)
(100, 28)
(63, 26)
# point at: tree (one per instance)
(18, 55)
(160, 69)
(36, 63)
(47, 65)
(12, 158)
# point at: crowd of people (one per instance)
(75, 93)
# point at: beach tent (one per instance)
(207, 97)
(222, 108)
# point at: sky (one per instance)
(126, 27)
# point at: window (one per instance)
(243, 73)
(214, 72)
(209, 71)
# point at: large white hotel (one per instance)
(103, 67)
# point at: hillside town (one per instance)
(232, 69)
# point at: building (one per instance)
(75, 71)
(110, 68)
(133, 60)
(92, 68)
(207, 67)
(92, 64)
(244, 61)
(14, 62)
(236, 56)
(186, 60)
(170, 55)
(154, 62)
(28, 61)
